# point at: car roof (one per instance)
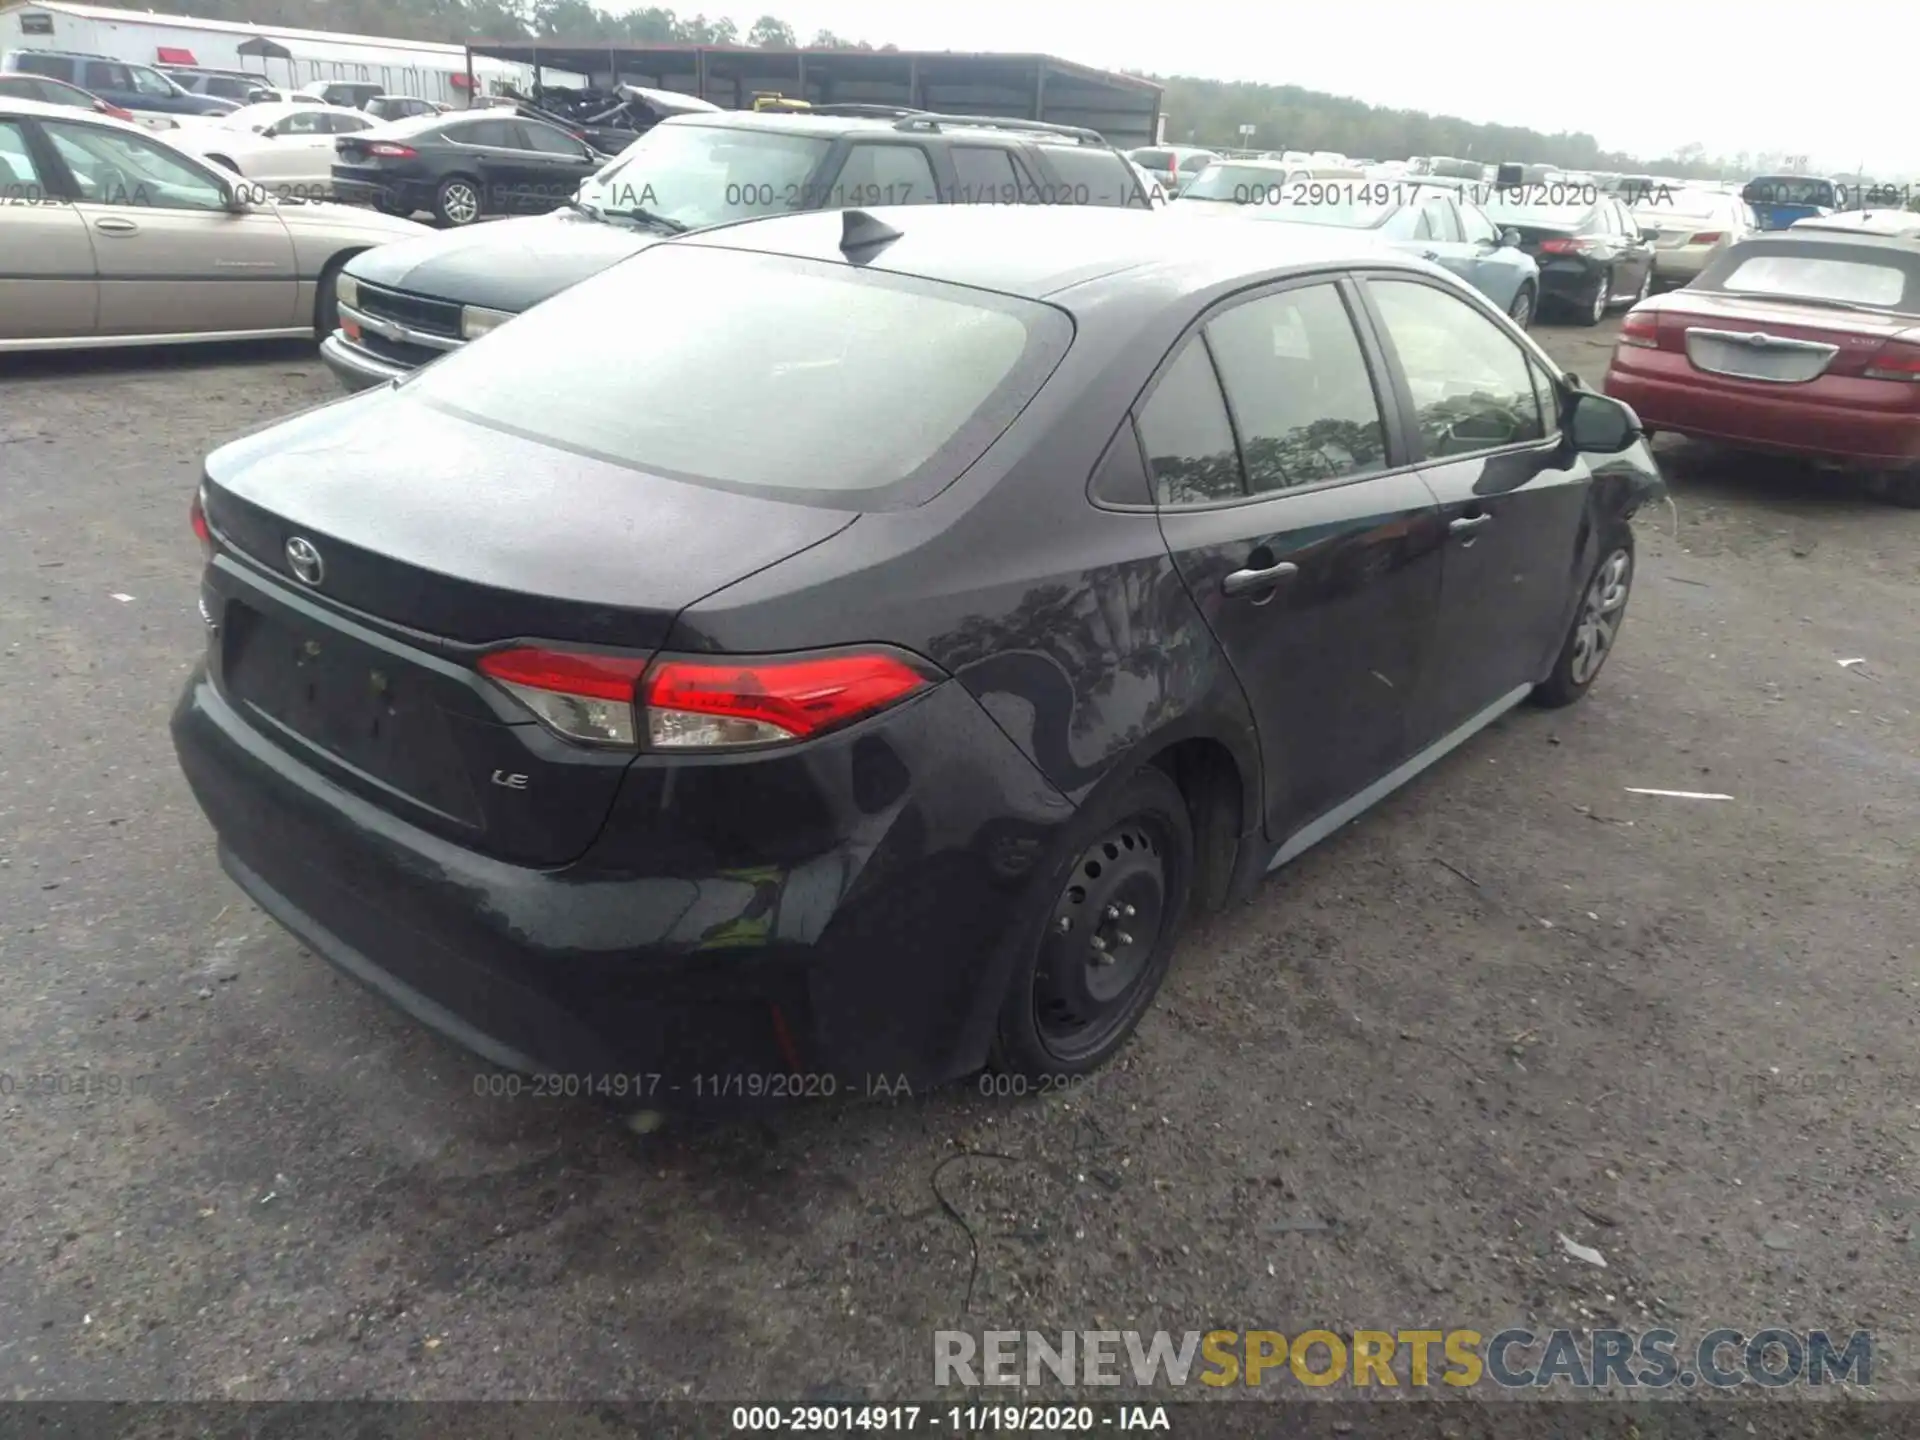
(1040, 251)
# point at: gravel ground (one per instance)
(1514, 1002)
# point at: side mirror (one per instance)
(1600, 425)
(1510, 238)
(234, 193)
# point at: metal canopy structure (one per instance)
(1123, 108)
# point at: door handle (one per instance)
(1248, 582)
(1467, 524)
(112, 225)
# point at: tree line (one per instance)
(1200, 112)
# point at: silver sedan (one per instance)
(111, 236)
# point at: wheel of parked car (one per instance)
(1646, 285)
(1522, 308)
(1091, 964)
(326, 301)
(1596, 625)
(1602, 294)
(457, 201)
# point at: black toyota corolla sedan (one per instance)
(866, 675)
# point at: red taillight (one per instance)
(698, 703)
(390, 151)
(1708, 237)
(581, 695)
(705, 704)
(1642, 328)
(197, 517)
(1563, 245)
(1896, 360)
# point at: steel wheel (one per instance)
(1102, 933)
(459, 202)
(1602, 294)
(1600, 613)
(1521, 311)
(1646, 285)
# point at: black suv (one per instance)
(404, 304)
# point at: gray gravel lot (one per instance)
(1512, 1002)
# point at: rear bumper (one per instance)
(1569, 281)
(1851, 421)
(1682, 263)
(877, 945)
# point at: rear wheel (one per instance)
(1090, 966)
(1521, 311)
(1596, 625)
(457, 201)
(1596, 310)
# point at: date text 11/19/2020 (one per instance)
(641, 1087)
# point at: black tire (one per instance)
(1896, 487)
(326, 299)
(1596, 311)
(1524, 306)
(1577, 666)
(1127, 861)
(457, 202)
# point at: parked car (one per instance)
(407, 306)
(349, 94)
(1432, 220)
(1156, 194)
(615, 736)
(57, 92)
(151, 96)
(287, 148)
(1894, 224)
(239, 86)
(1803, 342)
(462, 167)
(1779, 200)
(1591, 257)
(133, 241)
(1692, 228)
(1174, 166)
(402, 107)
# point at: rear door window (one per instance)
(1298, 387)
(882, 174)
(886, 387)
(19, 176)
(102, 75)
(549, 141)
(1187, 436)
(1090, 175)
(983, 175)
(1441, 224)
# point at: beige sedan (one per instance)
(111, 236)
(1695, 226)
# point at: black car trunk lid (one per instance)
(364, 567)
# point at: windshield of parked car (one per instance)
(1841, 279)
(1504, 211)
(1340, 212)
(884, 388)
(697, 175)
(1238, 184)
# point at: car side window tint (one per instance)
(1298, 388)
(1185, 431)
(58, 67)
(19, 176)
(1472, 384)
(1479, 229)
(148, 82)
(347, 124)
(1422, 225)
(884, 175)
(116, 167)
(1089, 175)
(104, 76)
(1440, 222)
(303, 122)
(1598, 221)
(549, 141)
(983, 175)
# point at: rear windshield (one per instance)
(1551, 217)
(1091, 175)
(1240, 184)
(809, 381)
(1820, 277)
(1686, 204)
(1788, 190)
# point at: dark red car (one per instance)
(1801, 343)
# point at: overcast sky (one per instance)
(1836, 79)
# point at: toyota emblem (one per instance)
(304, 560)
